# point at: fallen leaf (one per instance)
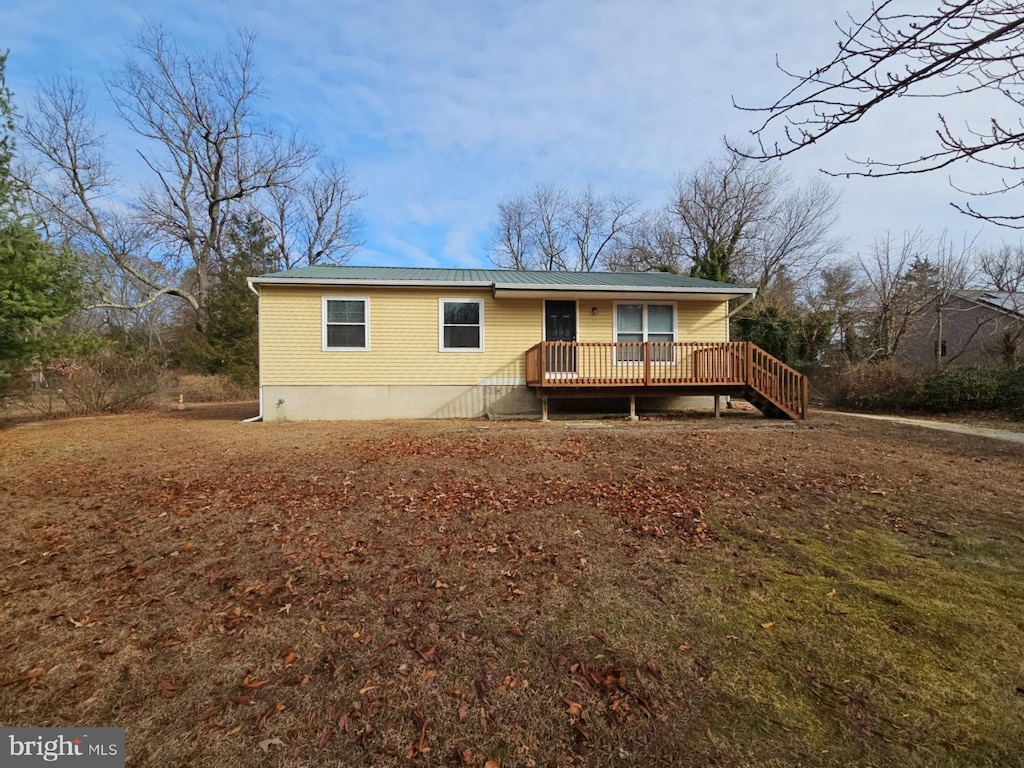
(466, 757)
(167, 688)
(289, 658)
(491, 764)
(768, 624)
(265, 744)
(575, 709)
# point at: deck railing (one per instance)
(554, 364)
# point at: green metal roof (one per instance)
(501, 278)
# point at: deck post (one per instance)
(718, 406)
(543, 409)
(632, 409)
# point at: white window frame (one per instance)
(645, 327)
(440, 323)
(323, 323)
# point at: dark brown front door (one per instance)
(560, 325)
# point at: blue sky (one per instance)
(441, 109)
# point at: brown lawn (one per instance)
(674, 592)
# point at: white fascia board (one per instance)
(631, 292)
(384, 283)
(525, 290)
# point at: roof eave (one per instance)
(621, 291)
(362, 282)
(521, 289)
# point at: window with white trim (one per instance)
(461, 325)
(640, 322)
(346, 323)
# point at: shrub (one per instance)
(212, 389)
(870, 386)
(111, 380)
(961, 389)
(1011, 390)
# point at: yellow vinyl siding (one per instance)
(403, 333)
(703, 321)
(403, 336)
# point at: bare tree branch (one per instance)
(949, 53)
(313, 220)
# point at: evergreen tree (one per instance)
(40, 286)
(231, 343)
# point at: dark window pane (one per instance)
(659, 319)
(663, 354)
(461, 313)
(345, 311)
(630, 317)
(346, 336)
(630, 354)
(461, 337)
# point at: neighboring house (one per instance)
(975, 327)
(388, 342)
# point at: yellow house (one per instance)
(388, 342)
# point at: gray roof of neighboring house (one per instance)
(502, 279)
(1007, 301)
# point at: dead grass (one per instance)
(446, 593)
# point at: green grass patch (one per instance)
(860, 650)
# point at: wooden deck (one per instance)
(637, 369)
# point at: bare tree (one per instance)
(595, 224)
(891, 303)
(745, 221)
(207, 152)
(313, 221)
(652, 243)
(514, 245)
(550, 229)
(951, 52)
(1002, 269)
(548, 214)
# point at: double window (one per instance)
(460, 325)
(346, 321)
(644, 322)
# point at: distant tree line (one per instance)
(736, 219)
